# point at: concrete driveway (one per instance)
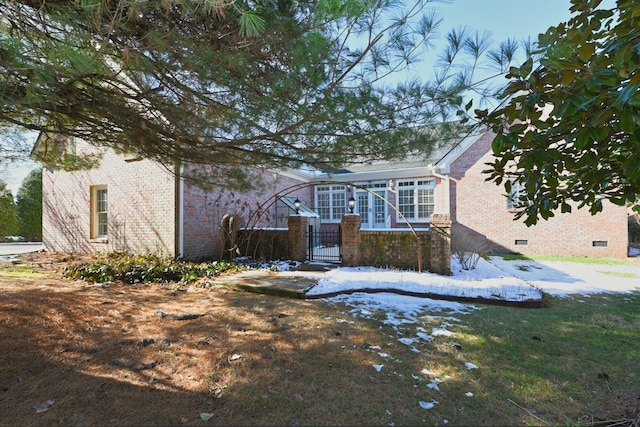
(17, 248)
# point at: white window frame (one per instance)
(414, 198)
(367, 219)
(512, 198)
(99, 212)
(331, 202)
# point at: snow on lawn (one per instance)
(485, 281)
(564, 278)
(511, 280)
(515, 280)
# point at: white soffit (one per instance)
(379, 175)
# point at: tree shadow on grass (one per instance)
(104, 355)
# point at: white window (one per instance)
(416, 199)
(517, 190)
(99, 212)
(331, 202)
(371, 204)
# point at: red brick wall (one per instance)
(204, 210)
(394, 249)
(482, 207)
(140, 207)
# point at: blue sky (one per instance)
(502, 18)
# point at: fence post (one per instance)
(298, 225)
(350, 241)
(441, 244)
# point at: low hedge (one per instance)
(132, 269)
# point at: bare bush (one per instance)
(468, 247)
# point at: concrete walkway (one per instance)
(268, 282)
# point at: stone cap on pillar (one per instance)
(441, 220)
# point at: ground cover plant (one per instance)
(80, 353)
(131, 269)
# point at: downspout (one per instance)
(179, 211)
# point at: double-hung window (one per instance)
(331, 202)
(513, 198)
(99, 212)
(416, 200)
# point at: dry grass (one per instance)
(106, 356)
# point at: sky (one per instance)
(502, 18)
(13, 173)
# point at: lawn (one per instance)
(80, 354)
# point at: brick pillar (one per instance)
(350, 241)
(441, 244)
(298, 227)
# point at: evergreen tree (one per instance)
(8, 220)
(29, 206)
(231, 83)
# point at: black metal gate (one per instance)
(324, 245)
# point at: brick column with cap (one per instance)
(350, 241)
(441, 244)
(298, 226)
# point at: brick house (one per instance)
(132, 204)
(451, 183)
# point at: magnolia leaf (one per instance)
(586, 51)
(586, 150)
(627, 95)
(527, 67)
(627, 121)
(468, 105)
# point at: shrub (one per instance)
(468, 248)
(144, 269)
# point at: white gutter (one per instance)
(379, 175)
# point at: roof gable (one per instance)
(447, 151)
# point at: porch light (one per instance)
(297, 204)
(352, 204)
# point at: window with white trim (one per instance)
(517, 190)
(99, 212)
(416, 199)
(331, 202)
